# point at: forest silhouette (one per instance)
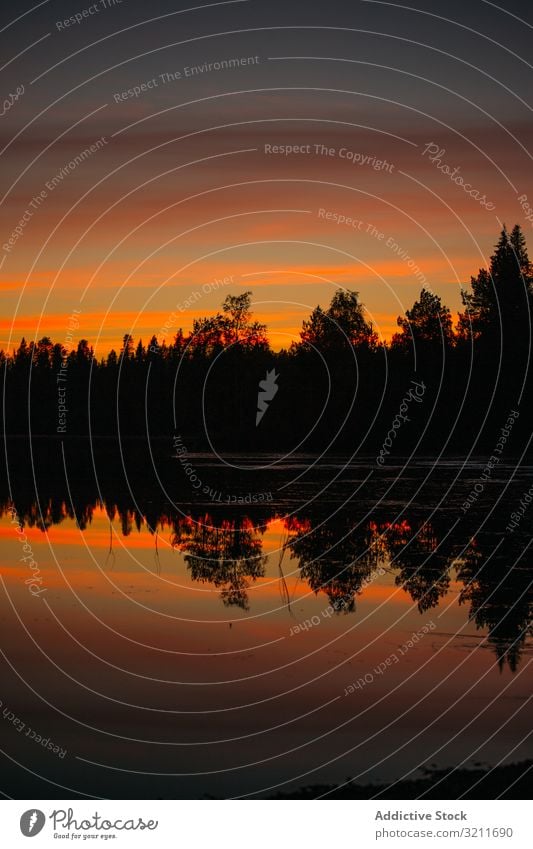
(340, 387)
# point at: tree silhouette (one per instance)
(427, 325)
(342, 325)
(501, 296)
(340, 387)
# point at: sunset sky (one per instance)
(181, 193)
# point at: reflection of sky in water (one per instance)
(172, 663)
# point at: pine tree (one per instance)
(427, 323)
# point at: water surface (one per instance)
(286, 623)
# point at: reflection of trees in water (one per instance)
(227, 555)
(423, 572)
(337, 556)
(341, 559)
(498, 583)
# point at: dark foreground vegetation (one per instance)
(512, 781)
(338, 387)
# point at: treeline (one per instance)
(338, 387)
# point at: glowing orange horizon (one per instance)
(105, 330)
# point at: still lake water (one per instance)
(254, 633)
